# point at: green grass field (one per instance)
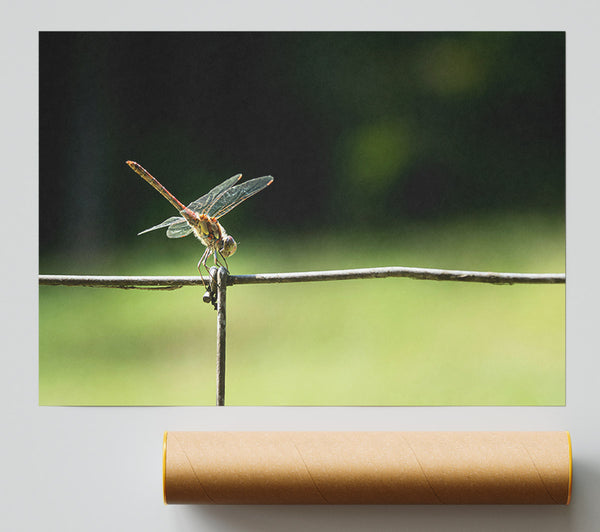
(362, 342)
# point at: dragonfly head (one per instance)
(229, 247)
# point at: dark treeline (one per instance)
(366, 126)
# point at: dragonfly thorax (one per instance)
(212, 234)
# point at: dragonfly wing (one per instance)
(235, 195)
(202, 204)
(167, 223)
(179, 229)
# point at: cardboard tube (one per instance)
(367, 467)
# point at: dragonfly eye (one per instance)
(229, 247)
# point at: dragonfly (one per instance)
(201, 216)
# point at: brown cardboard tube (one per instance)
(367, 467)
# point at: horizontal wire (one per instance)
(174, 282)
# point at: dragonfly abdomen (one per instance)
(144, 174)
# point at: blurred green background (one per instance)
(441, 150)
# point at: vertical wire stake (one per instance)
(222, 275)
(210, 296)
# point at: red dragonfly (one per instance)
(201, 216)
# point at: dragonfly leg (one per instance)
(226, 265)
(218, 257)
(202, 263)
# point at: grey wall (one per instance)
(100, 468)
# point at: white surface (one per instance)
(100, 468)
